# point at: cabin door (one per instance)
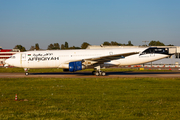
(23, 60)
(23, 57)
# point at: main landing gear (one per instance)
(26, 71)
(98, 71)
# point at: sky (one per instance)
(27, 22)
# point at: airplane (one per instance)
(74, 60)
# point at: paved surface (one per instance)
(89, 75)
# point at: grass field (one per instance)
(90, 98)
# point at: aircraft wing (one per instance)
(102, 59)
(108, 58)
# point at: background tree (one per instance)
(20, 47)
(106, 43)
(129, 43)
(32, 48)
(74, 47)
(170, 45)
(84, 45)
(37, 46)
(66, 45)
(77, 47)
(50, 47)
(56, 46)
(156, 43)
(114, 43)
(62, 47)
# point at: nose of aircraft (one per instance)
(8, 62)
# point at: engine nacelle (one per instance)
(75, 66)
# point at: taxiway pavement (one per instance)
(89, 75)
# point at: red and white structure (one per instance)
(5, 54)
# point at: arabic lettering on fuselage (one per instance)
(46, 54)
(42, 57)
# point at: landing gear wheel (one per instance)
(97, 74)
(26, 73)
(103, 73)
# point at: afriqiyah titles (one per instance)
(42, 57)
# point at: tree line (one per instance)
(84, 45)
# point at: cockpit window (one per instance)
(155, 50)
(13, 57)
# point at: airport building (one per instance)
(5, 54)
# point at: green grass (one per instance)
(90, 98)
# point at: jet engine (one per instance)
(75, 66)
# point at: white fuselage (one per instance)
(61, 58)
